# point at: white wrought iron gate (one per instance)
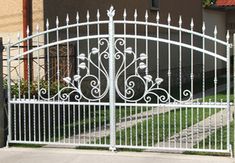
(121, 84)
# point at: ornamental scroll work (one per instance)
(95, 90)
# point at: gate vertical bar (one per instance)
(9, 92)
(228, 91)
(111, 13)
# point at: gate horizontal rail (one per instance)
(170, 105)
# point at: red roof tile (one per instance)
(225, 3)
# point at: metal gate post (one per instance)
(112, 98)
(228, 92)
(2, 100)
(234, 94)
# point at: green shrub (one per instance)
(20, 88)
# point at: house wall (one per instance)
(214, 18)
(38, 19)
(11, 18)
(230, 20)
(11, 23)
(176, 8)
(230, 24)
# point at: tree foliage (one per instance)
(207, 3)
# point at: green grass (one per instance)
(124, 136)
(127, 136)
(221, 96)
(127, 111)
(166, 127)
(197, 85)
(88, 122)
(221, 133)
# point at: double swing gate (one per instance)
(120, 84)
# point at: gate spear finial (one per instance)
(98, 14)
(192, 23)
(203, 27)
(135, 15)
(227, 36)
(111, 12)
(57, 22)
(169, 19)
(157, 17)
(77, 17)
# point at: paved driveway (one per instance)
(52, 155)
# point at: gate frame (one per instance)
(112, 89)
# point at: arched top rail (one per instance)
(37, 34)
(165, 26)
(140, 37)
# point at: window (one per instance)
(154, 4)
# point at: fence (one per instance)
(133, 84)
